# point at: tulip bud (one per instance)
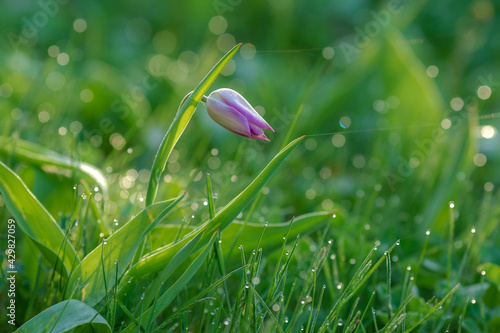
(232, 111)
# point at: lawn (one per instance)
(249, 166)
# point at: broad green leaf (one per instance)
(36, 222)
(303, 224)
(156, 260)
(65, 316)
(164, 300)
(87, 281)
(178, 259)
(33, 153)
(180, 122)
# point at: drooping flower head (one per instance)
(232, 111)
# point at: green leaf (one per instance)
(156, 260)
(167, 297)
(303, 224)
(36, 222)
(179, 258)
(36, 154)
(87, 281)
(186, 111)
(65, 316)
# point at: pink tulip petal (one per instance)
(228, 117)
(255, 130)
(260, 137)
(237, 101)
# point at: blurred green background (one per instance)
(403, 93)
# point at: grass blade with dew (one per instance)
(36, 222)
(166, 298)
(359, 278)
(416, 322)
(181, 120)
(179, 258)
(156, 260)
(121, 246)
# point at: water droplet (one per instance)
(483, 272)
(373, 310)
(330, 241)
(398, 242)
(286, 320)
(473, 230)
(452, 204)
(428, 232)
(266, 224)
(247, 286)
(408, 268)
(340, 322)
(240, 247)
(116, 262)
(302, 302)
(105, 241)
(334, 215)
(220, 241)
(96, 189)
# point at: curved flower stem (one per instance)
(181, 120)
(203, 99)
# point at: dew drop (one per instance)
(483, 272)
(398, 242)
(116, 262)
(428, 232)
(452, 204)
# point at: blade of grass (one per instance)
(121, 246)
(157, 260)
(431, 311)
(36, 222)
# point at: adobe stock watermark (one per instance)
(425, 148)
(32, 24)
(11, 272)
(223, 6)
(364, 36)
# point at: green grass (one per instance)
(381, 216)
